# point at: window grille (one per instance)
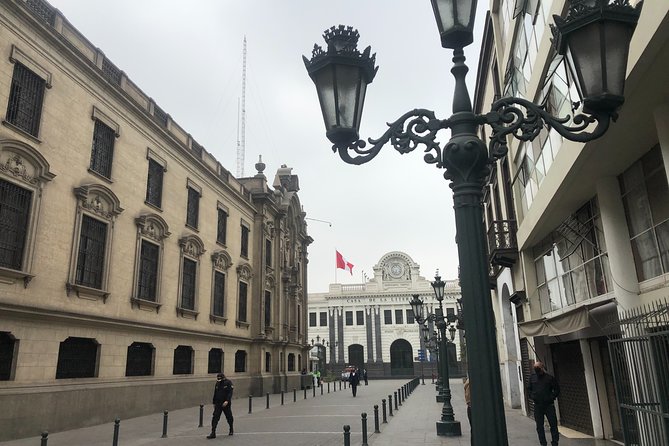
(110, 72)
(7, 343)
(77, 358)
(25, 99)
(388, 317)
(215, 364)
(14, 215)
(399, 317)
(154, 184)
(188, 284)
(410, 318)
(102, 152)
(240, 361)
(243, 287)
(140, 359)
(160, 115)
(42, 10)
(291, 362)
(268, 308)
(219, 294)
(312, 319)
(268, 362)
(245, 241)
(183, 360)
(359, 318)
(268, 252)
(323, 319)
(148, 271)
(193, 208)
(349, 318)
(90, 261)
(221, 231)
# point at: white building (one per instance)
(371, 324)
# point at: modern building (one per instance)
(371, 325)
(133, 265)
(578, 238)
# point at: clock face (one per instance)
(396, 270)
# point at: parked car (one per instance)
(347, 372)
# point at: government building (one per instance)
(134, 267)
(371, 325)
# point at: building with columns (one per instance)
(577, 233)
(371, 325)
(134, 267)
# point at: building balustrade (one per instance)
(502, 244)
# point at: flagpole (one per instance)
(336, 264)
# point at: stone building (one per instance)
(133, 265)
(577, 232)
(371, 325)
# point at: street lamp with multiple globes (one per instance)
(594, 36)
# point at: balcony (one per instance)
(502, 244)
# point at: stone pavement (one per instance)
(314, 421)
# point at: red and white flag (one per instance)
(344, 264)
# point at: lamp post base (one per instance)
(441, 398)
(449, 428)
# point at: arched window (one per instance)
(291, 362)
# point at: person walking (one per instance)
(468, 400)
(544, 389)
(222, 404)
(364, 376)
(354, 380)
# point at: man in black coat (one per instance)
(544, 388)
(222, 404)
(354, 380)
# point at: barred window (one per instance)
(183, 360)
(399, 316)
(222, 226)
(139, 361)
(219, 293)
(77, 358)
(7, 345)
(312, 319)
(102, 153)
(154, 184)
(91, 256)
(410, 318)
(240, 361)
(349, 318)
(193, 209)
(268, 252)
(148, 271)
(323, 319)
(215, 364)
(359, 318)
(268, 308)
(291, 362)
(25, 99)
(245, 241)
(387, 317)
(268, 362)
(14, 215)
(188, 284)
(241, 313)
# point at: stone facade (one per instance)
(371, 324)
(133, 265)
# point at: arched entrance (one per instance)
(356, 356)
(401, 358)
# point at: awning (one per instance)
(561, 324)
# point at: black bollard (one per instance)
(267, 405)
(282, 397)
(347, 435)
(432, 377)
(294, 395)
(390, 405)
(321, 389)
(45, 438)
(164, 424)
(344, 385)
(376, 419)
(313, 391)
(340, 385)
(364, 429)
(383, 410)
(200, 424)
(250, 403)
(395, 394)
(305, 393)
(117, 425)
(328, 386)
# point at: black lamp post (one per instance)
(594, 36)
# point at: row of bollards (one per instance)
(400, 395)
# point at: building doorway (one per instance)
(401, 358)
(356, 356)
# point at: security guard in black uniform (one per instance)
(222, 403)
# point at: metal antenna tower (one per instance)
(241, 142)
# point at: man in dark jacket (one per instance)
(354, 380)
(543, 390)
(222, 404)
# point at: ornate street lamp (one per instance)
(594, 36)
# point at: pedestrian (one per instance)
(544, 389)
(364, 376)
(222, 404)
(468, 400)
(354, 380)
(318, 378)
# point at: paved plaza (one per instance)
(314, 421)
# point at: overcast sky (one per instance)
(187, 56)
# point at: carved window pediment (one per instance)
(221, 260)
(152, 226)
(192, 246)
(269, 281)
(245, 272)
(23, 163)
(98, 199)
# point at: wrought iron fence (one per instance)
(640, 360)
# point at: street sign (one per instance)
(421, 354)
